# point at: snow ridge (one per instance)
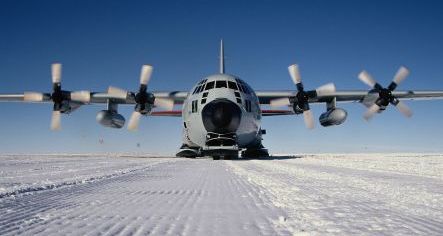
(324, 196)
(26, 190)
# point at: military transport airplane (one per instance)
(222, 113)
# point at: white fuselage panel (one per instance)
(221, 86)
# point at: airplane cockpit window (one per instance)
(232, 85)
(248, 106)
(241, 86)
(221, 84)
(194, 106)
(251, 90)
(195, 90)
(204, 96)
(200, 88)
(210, 85)
(245, 89)
(203, 81)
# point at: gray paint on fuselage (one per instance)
(248, 133)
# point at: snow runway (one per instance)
(310, 195)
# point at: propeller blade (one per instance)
(56, 71)
(81, 96)
(33, 97)
(134, 121)
(280, 102)
(326, 89)
(401, 75)
(165, 103)
(309, 119)
(371, 112)
(56, 120)
(366, 78)
(117, 92)
(294, 73)
(146, 73)
(404, 109)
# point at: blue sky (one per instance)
(102, 43)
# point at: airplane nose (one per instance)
(221, 116)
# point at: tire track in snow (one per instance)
(423, 193)
(33, 190)
(28, 208)
(30, 174)
(80, 222)
(12, 218)
(328, 200)
(184, 197)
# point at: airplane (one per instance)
(222, 113)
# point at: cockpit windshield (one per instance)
(210, 85)
(236, 85)
(232, 85)
(221, 84)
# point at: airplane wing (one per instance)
(376, 99)
(297, 100)
(65, 102)
(97, 97)
(265, 97)
(167, 113)
(276, 112)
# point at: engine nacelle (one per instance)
(335, 116)
(110, 119)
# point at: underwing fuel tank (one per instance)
(110, 119)
(334, 116)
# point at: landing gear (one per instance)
(188, 152)
(226, 157)
(221, 153)
(255, 153)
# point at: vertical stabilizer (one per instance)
(222, 58)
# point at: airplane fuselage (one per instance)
(221, 112)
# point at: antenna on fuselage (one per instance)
(222, 58)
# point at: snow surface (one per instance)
(340, 194)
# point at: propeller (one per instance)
(59, 97)
(302, 97)
(56, 120)
(385, 96)
(144, 100)
(117, 92)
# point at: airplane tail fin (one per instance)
(222, 58)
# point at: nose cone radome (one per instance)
(221, 116)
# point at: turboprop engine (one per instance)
(110, 119)
(335, 116)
